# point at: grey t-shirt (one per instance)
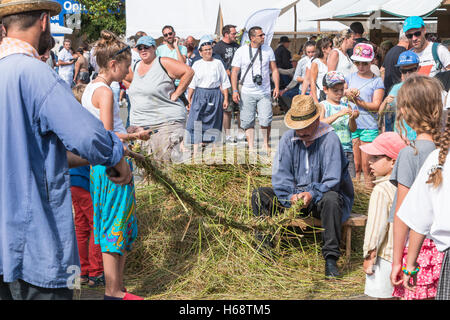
(408, 165)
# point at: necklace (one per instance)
(106, 82)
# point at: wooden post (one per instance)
(295, 28)
(318, 22)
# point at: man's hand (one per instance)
(236, 97)
(125, 175)
(305, 196)
(276, 93)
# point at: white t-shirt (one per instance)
(300, 71)
(425, 209)
(322, 71)
(65, 56)
(209, 75)
(242, 60)
(427, 64)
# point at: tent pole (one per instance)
(318, 22)
(295, 28)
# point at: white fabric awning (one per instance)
(57, 29)
(347, 8)
(286, 21)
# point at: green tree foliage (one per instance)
(103, 14)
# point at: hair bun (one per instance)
(107, 37)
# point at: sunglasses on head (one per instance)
(121, 51)
(410, 35)
(167, 34)
(143, 47)
(405, 71)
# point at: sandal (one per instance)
(98, 281)
(84, 280)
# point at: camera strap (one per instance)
(252, 62)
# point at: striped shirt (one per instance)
(379, 232)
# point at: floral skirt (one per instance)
(430, 261)
(115, 223)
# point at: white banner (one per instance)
(266, 19)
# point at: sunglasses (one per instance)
(121, 51)
(363, 63)
(143, 47)
(416, 34)
(405, 71)
(168, 34)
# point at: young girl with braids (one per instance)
(419, 104)
(425, 211)
(115, 225)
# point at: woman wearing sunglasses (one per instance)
(155, 100)
(365, 92)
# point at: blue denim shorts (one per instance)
(252, 104)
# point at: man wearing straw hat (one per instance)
(40, 124)
(310, 166)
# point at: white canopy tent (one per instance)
(286, 22)
(195, 17)
(346, 8)
(57, 29)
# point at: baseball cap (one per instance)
(146, 41)
(407, 58)
(333, 78)
(363, 52)
(388, 144)
(413, 22)
(205, 39)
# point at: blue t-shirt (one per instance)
(410, 133)
(164, 51)
(366, 87)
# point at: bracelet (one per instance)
(410, 273)
(235, 91)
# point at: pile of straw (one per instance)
(196, 241)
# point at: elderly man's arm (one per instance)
(331, 166)
(283, 180)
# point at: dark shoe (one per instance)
(98, 281)
(331, 269)
(111, 298)
(84, 280)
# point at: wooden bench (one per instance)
(355, 220)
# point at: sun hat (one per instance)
(9, 7)
(407, 58)
(205, 39)
(333, 78)
(284, 39)
(303, 112)
(146, 41)
(363, 52)
(413, 22)
(388, 144)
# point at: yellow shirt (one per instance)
(379, 232)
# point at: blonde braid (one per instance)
(435, 177)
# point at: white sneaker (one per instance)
(230, 140)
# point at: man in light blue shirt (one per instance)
(43, 130)
(170, 48)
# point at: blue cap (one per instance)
(413, 22)
(205, 39)
(146, 41)
(407, 58)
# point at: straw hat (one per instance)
(8, 7)
(303, 112)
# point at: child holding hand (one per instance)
(378, 238)
(339, 115)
